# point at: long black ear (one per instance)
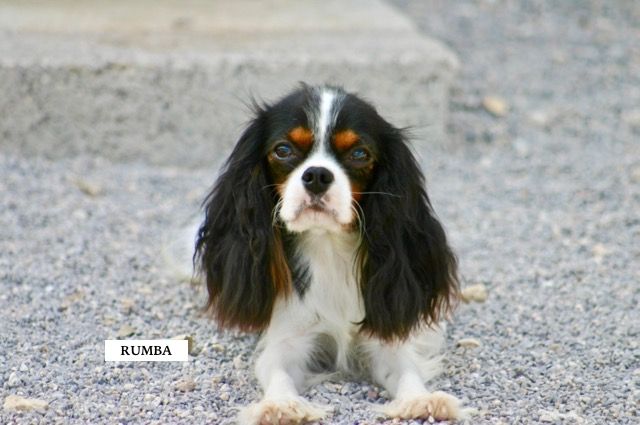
(408, 272)
(238, 250)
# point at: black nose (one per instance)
(317, 180)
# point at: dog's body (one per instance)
(306, 334)
(320, 234)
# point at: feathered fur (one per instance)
(408, 272)
(238, 249)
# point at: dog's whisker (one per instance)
(378, 193)
(276, 211)
(270, 185)
(360, 217)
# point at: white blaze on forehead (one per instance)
(325, 116)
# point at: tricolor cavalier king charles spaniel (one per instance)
(320, 235)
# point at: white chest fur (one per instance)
(333, 296)
(333, 293)
(332, 304)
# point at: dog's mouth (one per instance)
(315, 215)
(315, 207)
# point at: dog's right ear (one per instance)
(238, 250)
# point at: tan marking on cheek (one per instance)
(358, 187)
(303, 137)
(356, 192)
(343, 140)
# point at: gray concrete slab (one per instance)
(167, 84)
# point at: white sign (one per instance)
(146, 350)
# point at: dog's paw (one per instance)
(287, 411)
(438, 405)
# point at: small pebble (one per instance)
(540, 118)
(217, 347)
(126, 331)
(13, 380)
(238, 363)
(495, 105)
(186, 385)
(546, 418)
(127, 305)
(468, 343)
(474, 293)
(22, 404)
(88, 188)
(71, 299)
(190, 341)
(599, 251)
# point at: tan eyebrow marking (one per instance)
(303, 137)
(344, 139)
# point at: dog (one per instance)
(320, 235)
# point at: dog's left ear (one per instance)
(408, 272)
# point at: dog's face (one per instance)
(321, 152)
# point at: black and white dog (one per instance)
(319, 233)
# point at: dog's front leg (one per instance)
(398, 367)
(281, 369)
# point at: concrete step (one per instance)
(167, 82)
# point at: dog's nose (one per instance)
(317, 180)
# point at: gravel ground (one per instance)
(543, 202)
(541, 199)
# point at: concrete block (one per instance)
(168, 84)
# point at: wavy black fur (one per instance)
(407, 269)
(238, 250)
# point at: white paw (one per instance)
(287, 411)
(438, 405)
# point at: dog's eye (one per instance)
(359, 154)
(283, 151)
